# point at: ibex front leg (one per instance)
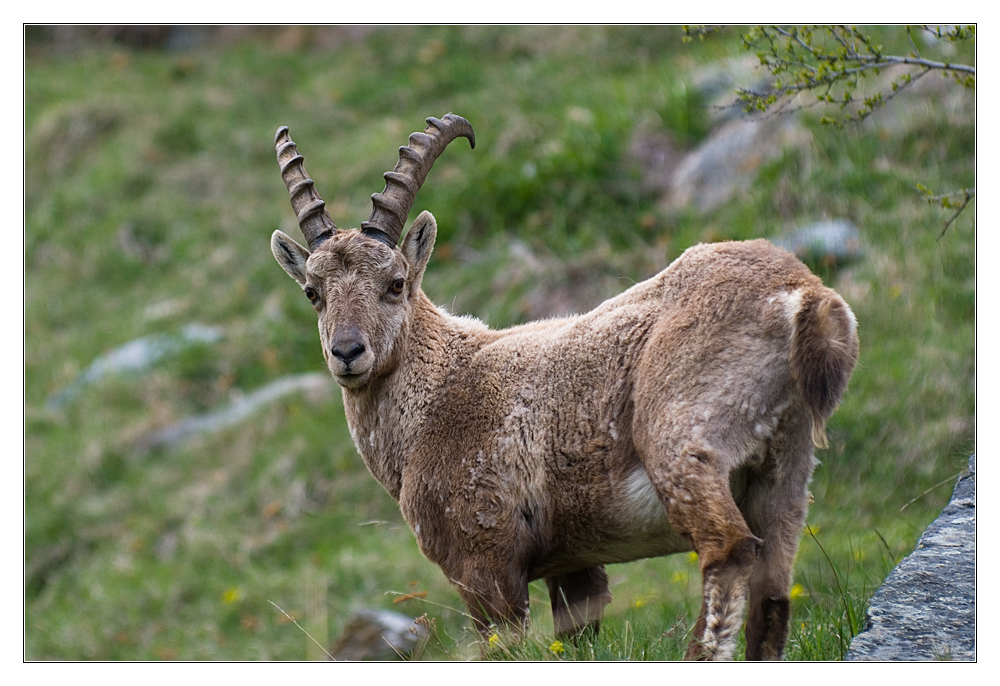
(495, 597)
(701, 507)
(578, 600)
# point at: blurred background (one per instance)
(191, 489)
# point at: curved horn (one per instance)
(314, 220)
(401, 184)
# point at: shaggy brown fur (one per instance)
(678, 415)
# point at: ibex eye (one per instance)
(311, 294)
(397, 286)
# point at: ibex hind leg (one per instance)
(724, 600)
(694, 487)
(775, 506)
(578, 600)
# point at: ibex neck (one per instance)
(387, 416)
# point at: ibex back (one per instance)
(678, 415)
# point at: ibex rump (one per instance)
(678, 415)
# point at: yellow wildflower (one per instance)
(692, 556)
(494, 640)
(556, 647)
(796, 591)
(639, 602)
(231, 595)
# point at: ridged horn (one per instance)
(393, 204)
(309, 208)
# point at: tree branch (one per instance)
(833, 70)
(969, 193)
(887, 60)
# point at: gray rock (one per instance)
(727, 161)
(136, 356)
(238, 410)
(378, 635)
(926, 609)
(829, 242)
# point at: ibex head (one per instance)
(360, 283)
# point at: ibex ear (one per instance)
(290, 255)
(418, 244)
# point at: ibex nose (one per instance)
(347, 346)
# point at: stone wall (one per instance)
(926, 609)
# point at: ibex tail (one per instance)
(823, 354)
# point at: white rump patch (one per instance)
(793, 302)
(850, 314)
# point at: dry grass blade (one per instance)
(292, 620)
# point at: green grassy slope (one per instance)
(152, 191)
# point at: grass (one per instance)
(151, 192)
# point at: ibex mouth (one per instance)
(352, 374)
(351, 379)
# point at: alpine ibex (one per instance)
(678, 415)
